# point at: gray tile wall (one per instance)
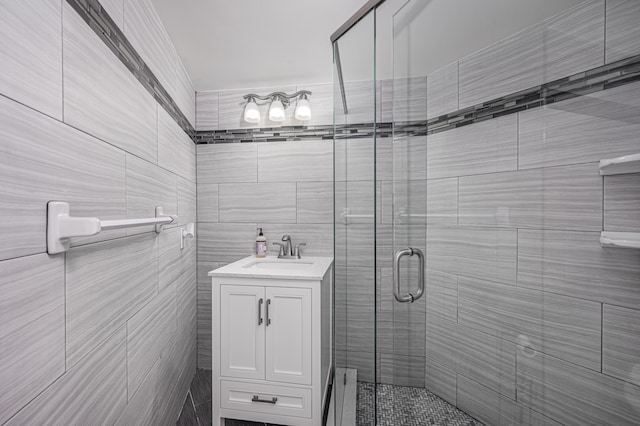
(508, 210)
(529, 320)
(107, 331)
(283, 187)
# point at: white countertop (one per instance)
(307, 268)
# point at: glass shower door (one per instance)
(355, 215)
(402, 239)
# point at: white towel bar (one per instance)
(620, 165)
(61, 227)
(620, 239)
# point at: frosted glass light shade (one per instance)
(251, 112)
(303, 110)
(276, 110)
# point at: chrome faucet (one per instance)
(286, 250)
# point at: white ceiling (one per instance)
(234, 44)
(227, 44)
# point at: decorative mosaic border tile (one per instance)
(601, 78)
(97, 18)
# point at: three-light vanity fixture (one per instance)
(279, 102)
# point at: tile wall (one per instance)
(282, 187)
(529, 320)
(526, 320)
(104, 333)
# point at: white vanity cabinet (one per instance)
(271, 331)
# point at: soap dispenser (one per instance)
(261, 244)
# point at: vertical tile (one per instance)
(557, 325)
(253, 202)
(314, 202)
(573, 41)
(488, 360)
(225, 242)
(573, 131)
(622, 203)
(572, 394)
(486, 147)
(176, 150)
(404, 99)
(442, 91)
(231, 108)
(568, 197)
(365, 363)
(442, 201)
(148, 333)
(622, 29)
(146, 33)
(409, 158)
(187, 293)
(101, 96)
(204, 314)
(169, 257)
(207, 110)
(106, 284)
(442, 295)
(440, 380)
(31, 54)
(492, 408)
(148, 186)
(309, 161)
(31, 328)
(363, 101)
(401, 332)
(207, 200)
(476, 252)
(187, 201)
(620, 343)
(402, 370)
(355, 160)
(185, 92)
(95, 388)
(362, 200)
(45, 160)
(141, 408)
(442, 338)
(557, 47)
(222, 163)
(574, 264)
(384, 158)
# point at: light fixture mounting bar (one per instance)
(284, 98)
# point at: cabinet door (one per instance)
(288, 330)
(241, 331)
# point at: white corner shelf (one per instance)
(620, 239)
(620, 165)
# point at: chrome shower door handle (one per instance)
(410, 297)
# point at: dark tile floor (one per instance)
(196, 410)
(426, 408)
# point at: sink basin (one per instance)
(308, 268)
(283, 264)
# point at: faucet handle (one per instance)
(286, 238)
(297, 252)
(281, 250)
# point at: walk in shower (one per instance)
(487, 268)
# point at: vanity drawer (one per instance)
(266, 399)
